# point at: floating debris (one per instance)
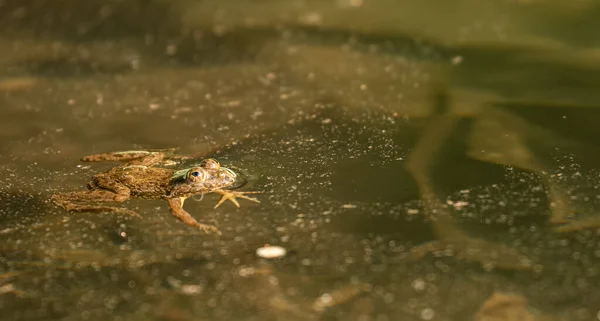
(507, 307)
(271, 251)
(339, 296)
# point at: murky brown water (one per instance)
(420, 160)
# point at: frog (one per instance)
(145, 174)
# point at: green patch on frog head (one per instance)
(185, 174)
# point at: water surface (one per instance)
(415, 159)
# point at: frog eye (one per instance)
(197, 175)
(210, 164)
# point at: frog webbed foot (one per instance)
(233, 195)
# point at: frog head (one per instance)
(216, 177)
(219, 178)
(207, 177)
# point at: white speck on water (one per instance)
(191, 289)
(418, 285)
(312, 18)
(323, 301)
(271, 251)
(412, 211)
(460, 204)
(427, 314)
(457, 60)
(246, 271)
(171, 50)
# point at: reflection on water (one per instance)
(415, 166)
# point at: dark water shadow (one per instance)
(22, 208)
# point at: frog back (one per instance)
(146, 182)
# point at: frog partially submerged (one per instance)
(139, 178)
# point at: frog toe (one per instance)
(233, 196)
(228, 196)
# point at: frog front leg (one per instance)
(232, 196)
(176, 209)
(79, 202)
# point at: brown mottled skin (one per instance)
(138, 179)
